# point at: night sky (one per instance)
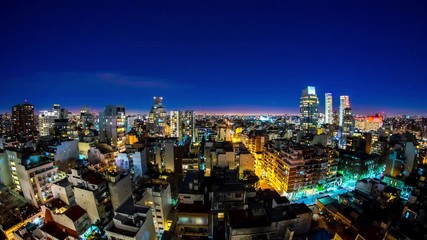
(214, 56)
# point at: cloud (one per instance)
(133, 81)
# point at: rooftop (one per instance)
(53, 230)
(75, 212)
(63, 183)
(130, 208)
(55, 203)
(244, 219)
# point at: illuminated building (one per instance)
(5, 123)
(120, 188)
(194, 221)
(348, 122)
(226, 192)
(164, 154)
(401, 160)
(291, 167)
(130, 122)
(188, 123)
(112, 126)
(23, 119)
(131, 222)
(63, 190)
(158, 197)
(47, 120)
(91, 193)
(309, 104)
(358, 165)
(344, 103)
(62, 150)
(193, 209)
(102, 153)
(73, 220)
(176, 124)
(157, 118)
(203, 133)
(32, 174)
(62, 128)
(369, 123)
(87, 119)
(245, 159)
(328, 108)
(54, 122)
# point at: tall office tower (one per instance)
(309, 104)
(23, 119)
(157, 118)
(348, 122)
(176, 124)
(112, 125)
(344, 103)
(328, 108)
(86, 118)
(188, 123)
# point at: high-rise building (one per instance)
(328, 108)
(23, 119)
(86, 118)
(157, 118)
(112, 125)
(32, 174)
(348, 122)
(91, 193)
(158, 197)
(176, 124)
(188, 123)
(309, 104)
(344, 103)
(48, 120)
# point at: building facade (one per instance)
(344, 103)
(328, 108)
(157, 118)
(309, 104)
(112, 126)
(23, 121)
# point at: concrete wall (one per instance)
(67, 150)
(5, 173)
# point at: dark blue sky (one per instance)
(224, 56)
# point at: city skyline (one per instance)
(217, 58)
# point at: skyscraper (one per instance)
(309, 103)
(176, 124)
(328, 108)
(112, 126)
(344, 103)
(86, 118)
(188, 120)
(23, 119)
(157, 118)
(348, 122)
